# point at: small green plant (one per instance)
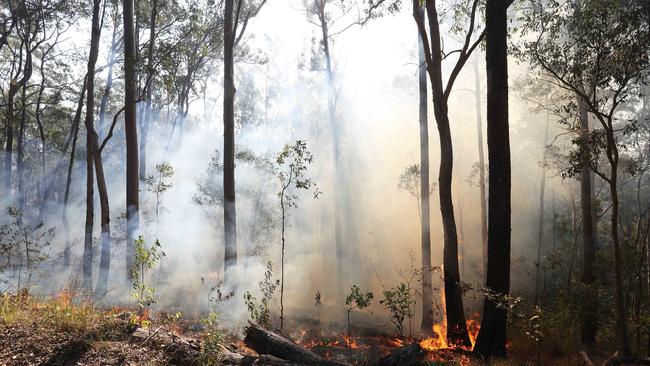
(260, 312)
(159, 183)
(400, 302)
(357, 300)
(145, 260)
(211, 354)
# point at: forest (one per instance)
(325, 182)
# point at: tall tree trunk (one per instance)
(481, 165)
(91, 145)
(131, 132)
(589, 316)
(336, 158)
(540, 224)
(455, 314)
(621, 311)
(150, 74)
(229, 209)
(74, 132)
(425, 218)
(491, 340)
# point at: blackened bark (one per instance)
(131, 132)
(426, 326)
(491, 340)
(230, 215)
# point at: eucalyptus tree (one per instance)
(435, 54)
(596, 51)
(491, 340)
(234, 18)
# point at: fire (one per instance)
(473, 326)
(439, 340)
(350, 342)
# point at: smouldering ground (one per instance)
(67, 331)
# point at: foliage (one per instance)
(260, 312)
(159, 183)
(357, 299)
(400, 302)
(409, 181)
(22, 246)
(211, 353)
(145, 259)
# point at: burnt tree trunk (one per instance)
(491, 340)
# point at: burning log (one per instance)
(266, 343)
(411, 355)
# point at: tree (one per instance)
(291, 164)
(491, 340)
(597, 51)
(131, 133)
(231, 39)
(434, 55)
(91, 145)
(425, 216)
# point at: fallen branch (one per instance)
(266, 343)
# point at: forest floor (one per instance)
(59, 331)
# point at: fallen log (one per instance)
(411, 355)
(265, 342)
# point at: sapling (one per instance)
(145, 259)
(400, 302)
(260, 312)
(357, 300)
(159, 183)
(291, 164)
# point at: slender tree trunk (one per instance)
(131, 132)
(230, 215)
(336, 158)
(621, 312)
(491, 340)
(91, 148)
(425, 217)
(150, 74)
(481, 165)
(74, 131)
(455, 315)
(540, 224)
(589, 316)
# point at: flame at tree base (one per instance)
(439, 340)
